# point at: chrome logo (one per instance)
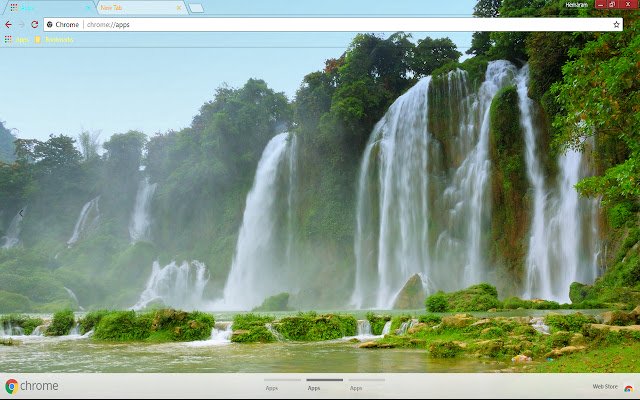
(628, 388)
(11, 386)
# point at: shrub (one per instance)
(62, 323)
(430, 319)
(560, 339)
(444, 349)
(493, 332)
(480, 297)
(250, 328)
(123, 326)
(312, 327)
(513, 303)
(570, 322)
(437, 302)
(90, 320)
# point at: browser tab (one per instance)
(142, 7)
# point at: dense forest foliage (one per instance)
(586, 83)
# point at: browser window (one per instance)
(316, 200)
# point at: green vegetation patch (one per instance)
(28, 324)
(480, 297)
(569, 322)
(91, 319)
(251, 328)
(159, 326)
(62, 323)
(377, 322)
(313, 327)
(278, 302)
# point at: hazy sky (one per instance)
(65, 90)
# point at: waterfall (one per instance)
(73, 297)
(75, 331)
(261, 266)
(140, 218)
(364, 328)
(221, 332)
(87, 219)
(414, 213)
(386, 328)
(12, 238)
(274, 332)
(559, 252)
(179, 286)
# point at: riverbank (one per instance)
(552, 341)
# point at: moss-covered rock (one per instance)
(437, 302)
(480, 297)
(158, 326)
(251, 328)
(313, 327)
(578, 292)
(509, 185)
(278, 302)
(412, 295)
(618, 317)
(121, 326)
(61, 324)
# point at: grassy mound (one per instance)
(164, 325)
(313, 327)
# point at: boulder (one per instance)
(619, 318)
(577, 340)
(368, 345)
(564, 351)
(412, 294)
(636, 313)
(483, 321)
(420, 326)
(458, 321)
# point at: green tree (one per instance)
(431, 54)
(599, 97)
(481, 41)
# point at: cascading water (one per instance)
(73, 297)
(140, 218)
(262, 266)
(386, 328)
(415, 214)
(12, 238)
(179, 286)
(88, 219)
(559, 252)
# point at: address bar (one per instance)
(302, 24)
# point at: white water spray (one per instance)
(178, 286)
